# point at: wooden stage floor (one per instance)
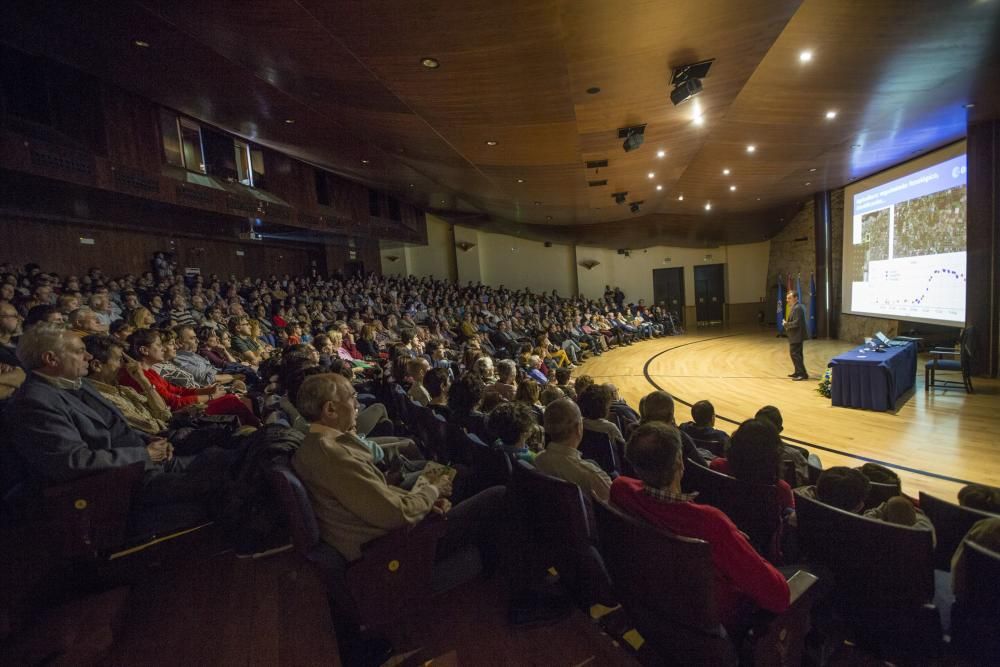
(937, 441)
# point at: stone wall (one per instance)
(794, 250)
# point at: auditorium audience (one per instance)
(659, 406)
(702, 429)
(846, 489)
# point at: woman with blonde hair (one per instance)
(141, 318)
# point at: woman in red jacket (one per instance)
(147, 349)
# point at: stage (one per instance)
(936, 441)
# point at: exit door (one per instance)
(709, 293)
(668, 290)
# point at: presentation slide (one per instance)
(904, 241)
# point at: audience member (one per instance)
(846, 489)
(659, 406)
(702, 430)
(561, 458)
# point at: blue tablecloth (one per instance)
(873, 380)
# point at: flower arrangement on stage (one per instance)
(824, 386)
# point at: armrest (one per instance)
(780, 640)
(945, 350)
(89, 516)
(395, 570)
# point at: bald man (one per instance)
(561, 458)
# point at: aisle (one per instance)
(934, 433)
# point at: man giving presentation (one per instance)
(795, 327)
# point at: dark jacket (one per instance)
(795, 325)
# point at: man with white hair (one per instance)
(62, 428)
(87, 321)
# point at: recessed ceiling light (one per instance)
(699, 120)
(430, 63)
(659, 187)
(538, 203)
(680, 197)
(491, 142)
(520, 180)
(751, 148)
(812, 169)
(831, 114)
(651, 175)
(548, 217)
(289, 121)
(758, 198)
(805, 56)
(725, 172)
(732, 188)
(708, 206)
(593, 91)
(808, 182)
(661, 153)
(411, 185)
(364, 162)
(141, 44)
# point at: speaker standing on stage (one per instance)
(795, 327)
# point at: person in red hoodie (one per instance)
(147, 348)
(741, 574)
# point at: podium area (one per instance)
(936, 441)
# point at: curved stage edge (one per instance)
(936, 441)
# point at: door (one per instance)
(668, 290)
(709, 293)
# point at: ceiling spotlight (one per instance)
(680, 197)
(661, 153)
(141, 44)
(491, 142)
(634, 206)
(732, 188)
(633, 136)
(808, 182)
(411, 185)
(659, 187)
(805, 56)
(751, 148)
(520, 180)
(430, 63)
(698, 120)
(651, 175)
(687, 81)
(548, 217)
(538, 203)
(831, 114)
(364, 162)
(289, 121)
(725, 172)
(812, 169)
(708, 206)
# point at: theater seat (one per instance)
(754, 508)
(599, 448)
(667, 585)
(883, 577)
(556, 530)
(393, 573)
(975, 618)
(951, 523)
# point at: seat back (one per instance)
(430, 430)
(400, 404)
(974, 617)
(951, 523)
(88, 517)
(967, 349)
(667, 585)
(717, 447)
(599, 448)
(491, 465)
(754, 508)
(878, 493)
(555, 517)
(877, 565)
(295, 501)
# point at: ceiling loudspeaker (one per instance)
(687, 80)
(620, 197)
(633, 136)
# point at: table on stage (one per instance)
(863, 378)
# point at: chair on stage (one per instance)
(951, 523)
(952, 360)
(674, 607)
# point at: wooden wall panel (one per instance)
(132, 136)
(56, 247)
(291, 180)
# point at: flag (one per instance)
(779, 316)
(788, 288)
(812, 306)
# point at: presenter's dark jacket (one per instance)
(795, 325)
(62, 433)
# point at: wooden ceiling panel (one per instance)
(348, 72)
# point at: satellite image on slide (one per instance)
(930, 225)
(874, 244)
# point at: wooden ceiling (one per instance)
(348, 73)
